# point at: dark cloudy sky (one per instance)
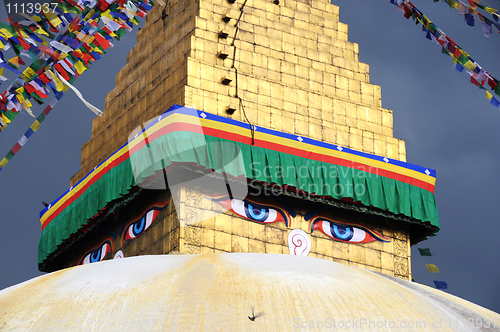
(447, 124)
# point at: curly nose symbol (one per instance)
(299, 243)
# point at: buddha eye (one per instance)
(256, 211)
(346, 232)
(138, 227)
(98, 254)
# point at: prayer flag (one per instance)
(432, 268)
(469, 19)
(425, 251)
(495, 102)
(440, 284)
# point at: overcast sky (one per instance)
(447, 124)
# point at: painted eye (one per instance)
(97, 255)
(137, 228)
(347, 233)
(254, 211)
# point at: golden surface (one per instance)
(229, 232)
(295, 71)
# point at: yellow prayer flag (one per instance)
(3, 162)
(5, 33)
(107, 14)
(19, 94)
(37, 124)
(89, 16)
(28, 72)
(4, 119)
(53, 18)
(59, 84)
(39, 30)
(488, 95)
(432, 268)
(27, 104)
(490, 10)
(470, 65)
(80, 67)
(14, 61)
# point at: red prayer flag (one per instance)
(24, 44)
(16, 148)
(30, 88)
(103, 42)
(474, 81)
(44, 78)
(407, 11)
(87, 57)
(492, 83)
(47, 110)
(61, 71)
(103, 5)
(77, 54)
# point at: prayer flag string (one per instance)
(462, 60)
(85, 30)
(432, 268)
(63, 39)
(470, 11)
(31, 130)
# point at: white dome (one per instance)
(216, 292)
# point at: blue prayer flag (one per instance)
(495, 102)
(441, 284)
(469, 19)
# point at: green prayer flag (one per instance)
(463, 59)
(432, 268)
(425, 251)
(10, 115)
(41, 117)
(10, 155)
(120, 33)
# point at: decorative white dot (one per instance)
(386, 159)
(300, 139)
(203, 115)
